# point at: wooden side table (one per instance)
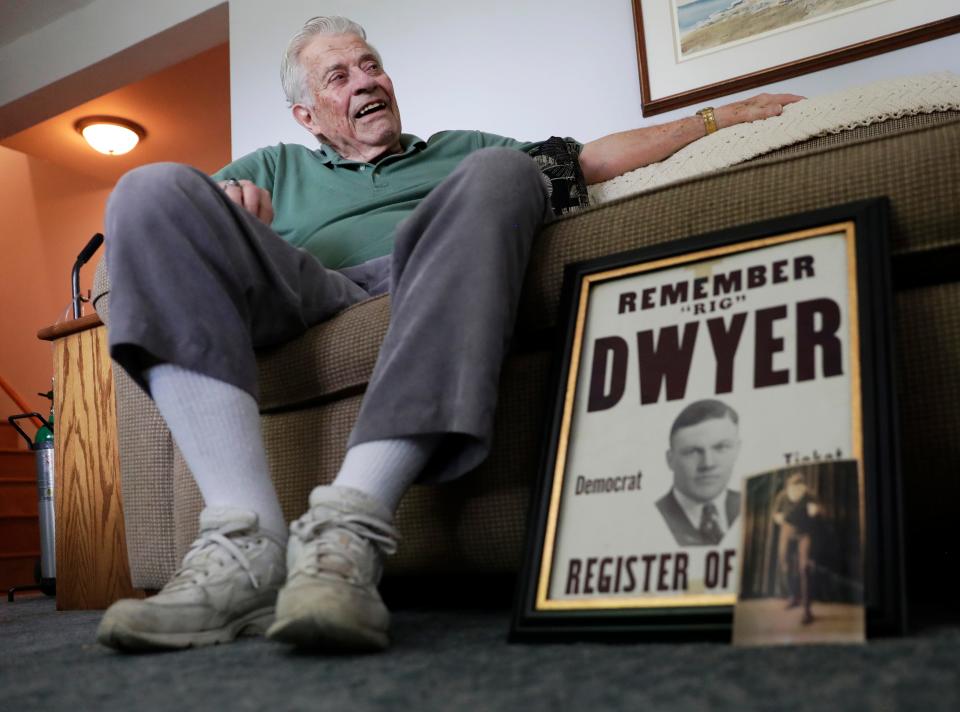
(92, 567)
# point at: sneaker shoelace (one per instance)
(212, 548)
(322, 537)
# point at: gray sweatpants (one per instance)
(199, 282)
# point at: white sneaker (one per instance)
(334, 562)
(227, 586)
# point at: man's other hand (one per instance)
(761, 106)
(251, 197)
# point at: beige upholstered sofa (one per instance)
(312, 388)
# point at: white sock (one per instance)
(385, 469)
(217, 428)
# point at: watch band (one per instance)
(709, 119)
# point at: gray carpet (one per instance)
(453, 660)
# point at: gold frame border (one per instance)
(542, 602)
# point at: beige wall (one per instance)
(48, 215)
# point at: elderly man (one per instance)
(205, 271)
(704, 444)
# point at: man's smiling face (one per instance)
(354, 110)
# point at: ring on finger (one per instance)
(232, 183)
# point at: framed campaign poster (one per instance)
(689, 51)
(687, 368)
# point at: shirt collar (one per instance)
(409, 143)
(694, 509)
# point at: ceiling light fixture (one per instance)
(110, 134)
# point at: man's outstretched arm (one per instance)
(618, 153)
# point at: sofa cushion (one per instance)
(331, 360)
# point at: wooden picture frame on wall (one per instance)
(728, 54)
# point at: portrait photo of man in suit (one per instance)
(704, 444)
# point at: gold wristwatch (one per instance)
(709, 119)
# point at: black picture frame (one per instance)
(539, 614)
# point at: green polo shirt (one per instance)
(344, 212)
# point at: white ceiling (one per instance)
(21, 17)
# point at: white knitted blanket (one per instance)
(819, 116)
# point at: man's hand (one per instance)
(251, 197)
(761, 106)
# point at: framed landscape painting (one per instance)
(693, 50)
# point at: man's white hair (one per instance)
(292, 75)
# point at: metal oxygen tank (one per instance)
(42, 446)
